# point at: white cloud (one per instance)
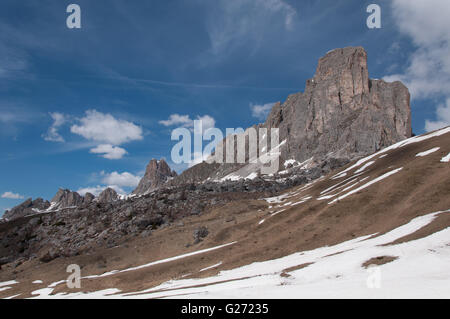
(96, 190)
(98, 128)
(427, 24)
(177, 119)
(207, 122)
(261, 111)
(185, 121)
(109, 151)
(443, 118)
(114, 180)
(109, 131)
(11, 195)
(52, 134)
(124, 179)
(104, 128)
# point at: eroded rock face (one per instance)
(156, 174)
(108, 195)
(88, 198)
(76, 230)
(342, 115)
(28, 207)
(66, 198)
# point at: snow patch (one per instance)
(277, 199)
(376, 180)
(422, 154)
(160, 261)
(446, 159)
(333, 272)
(364, 167)
(211, 267)
(415, 139)
(8, 283)
(252, 176)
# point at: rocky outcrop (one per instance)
(66, 198)
(156, 174)
(76, 230)
(28, 207)
(108, 195)
(88, 198)
(342, 115)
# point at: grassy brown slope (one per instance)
(422, 187)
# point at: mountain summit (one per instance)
(342, 115)
(156, 174)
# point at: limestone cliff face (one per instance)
(342, 115)
(108, 195)
(66, 198)
(156, 174)
(28, 207)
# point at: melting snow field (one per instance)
(415, 139)
(420, 271)
(420, 268)
(161, 261)
(376, 180)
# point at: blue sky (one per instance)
(85, 108)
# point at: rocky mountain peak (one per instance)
(108, 195)
(344, 73)
(66, 198)
(156, 174)
(342, 115)
(28, 207)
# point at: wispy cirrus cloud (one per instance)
(14, 116)
(246, 22)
